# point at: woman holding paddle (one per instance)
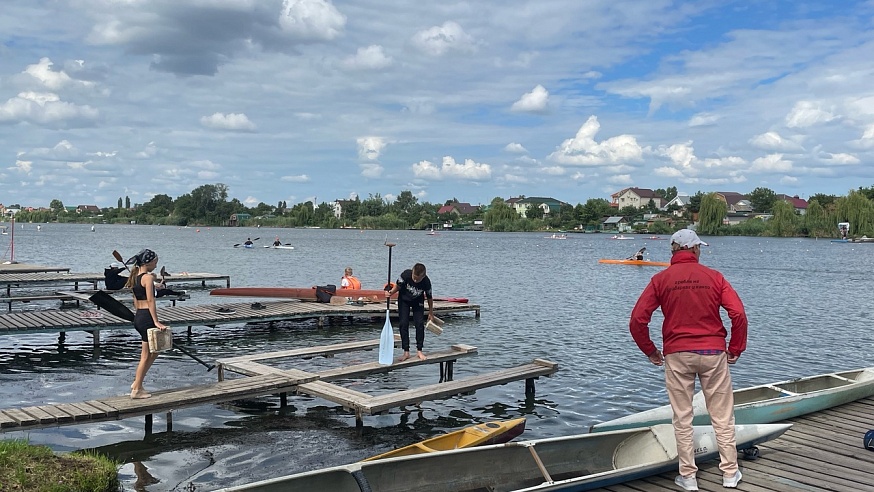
(142, 283)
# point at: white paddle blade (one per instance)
(386, 343)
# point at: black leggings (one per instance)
(418, 309)
(142, 322)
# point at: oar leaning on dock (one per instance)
(114, 306)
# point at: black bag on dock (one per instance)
(325, 292)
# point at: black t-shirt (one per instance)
(410, 291)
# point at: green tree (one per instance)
(858, 210)
(712, 213)
(57, 206)
(762, 200)
(127, 202)
(594, 211)
(785, 222)
(695, 202)
(499, 216)
(817, 221)
(373, 206)
(826, 201)
(119, 202)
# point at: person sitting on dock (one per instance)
(637, 256)
(349, 281)
(413, 287)
(142, 283)
(277, 242)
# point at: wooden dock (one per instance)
(822, 451)
(61, 321)
(29, 268)
(39, 278)
(264, 380)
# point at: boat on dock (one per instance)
(309, 293)
(634, 262)
(496, 432)
(768, 402)
(579, 462)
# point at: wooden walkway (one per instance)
(29, 268)
(265, 380)
(60, 278)
(822, 451)
(60, 321)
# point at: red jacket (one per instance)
(690, 296)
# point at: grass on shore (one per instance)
(27, 468)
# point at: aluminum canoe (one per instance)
(572, 463)
(768, 402)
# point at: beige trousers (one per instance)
(681, 368)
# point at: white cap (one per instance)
(686, 238)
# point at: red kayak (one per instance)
(309, 294)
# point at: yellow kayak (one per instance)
(496, 432)
(635, 262)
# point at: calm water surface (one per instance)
(808, 302)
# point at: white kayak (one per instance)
(281, 246)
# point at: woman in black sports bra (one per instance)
(142, 283)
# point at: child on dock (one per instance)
(142, 283)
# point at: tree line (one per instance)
(210, 205)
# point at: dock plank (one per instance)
(346, 397)
(39, 414)
(381, 403)
(360, 370)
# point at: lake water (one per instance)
(808, 303)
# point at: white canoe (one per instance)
(279, 247)
(579, 462)
(769, 402)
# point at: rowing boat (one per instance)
(496, 432)
(635, 262)
(309, 293)
(768, 402)
(579, 462)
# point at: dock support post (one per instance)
(169, 421)
(283, 400)
(148, 424)
(221, 371)
(189, 330)
(95, 334)
(476, 315)
(359, 420)
(446, 372)
(529, 386)
(321, 323)
(62, 336)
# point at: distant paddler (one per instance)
(637, 256)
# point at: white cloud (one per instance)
(688, 168)
(773, 163)
(450, 169)
(23, 167)
(370, 148)
(623, 179)
(301, 178)
(233, 122)
(583, 150)
(554, 170)
(251, 201)
(703, 119)
(515, 179)
(668, 172)
(869, 133)
(840, 159)
(807, 113)
(150, 151)
(50, 79)
(440, 40)
(371, 170)
(788, 180)
(515, 148)
(536, 101)
(311, 19)
(44, 108)
(369, 58)
(774, 142)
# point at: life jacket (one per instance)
(354, 283)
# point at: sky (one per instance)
(297, 100)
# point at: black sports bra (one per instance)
(138, 289)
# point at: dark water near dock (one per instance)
(808, 302)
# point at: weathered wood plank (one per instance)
(23, 418)
(360, 370)
(73, 411)
(6, 421)
(344, 396)
(60, 416)
(39, 414)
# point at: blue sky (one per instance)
(312, 99)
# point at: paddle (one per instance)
(115, 307)
(387, 338)
(118, 257)
(253, 240)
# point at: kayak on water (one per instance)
(282, 246)
(635, 262)
(309, 293)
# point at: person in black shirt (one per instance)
(413, 288)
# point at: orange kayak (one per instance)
(309, 293)
(635, 262)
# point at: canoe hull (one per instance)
(580, 462)
(475, 435)
(634, 262)
(768, 403)
(309, 293)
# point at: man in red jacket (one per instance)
(694, 339)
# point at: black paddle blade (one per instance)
(163, 271)
(111, 305)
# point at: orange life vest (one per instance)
(354, 283)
